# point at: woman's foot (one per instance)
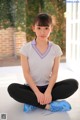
(28, 108)
(58, 106)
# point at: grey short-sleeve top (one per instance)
(40, 64)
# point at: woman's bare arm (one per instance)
(54, 74)
(48, 96)
(29, 80)
(26, 72)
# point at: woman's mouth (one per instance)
(42, 36)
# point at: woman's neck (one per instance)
(41, 42)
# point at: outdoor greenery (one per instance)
(20, 14)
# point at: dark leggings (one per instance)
(24, 94)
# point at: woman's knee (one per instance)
(11, 89)
(74, 83)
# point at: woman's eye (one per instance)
(46, 28)
(38, 28)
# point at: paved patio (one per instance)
(9, 61)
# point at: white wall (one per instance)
(73, 35)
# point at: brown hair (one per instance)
(43, 19)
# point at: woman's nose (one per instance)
(42, 31)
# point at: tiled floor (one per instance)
(14, 110)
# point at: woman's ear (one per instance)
(33, 28)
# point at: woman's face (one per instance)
(42, 32)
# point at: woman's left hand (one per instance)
(48, 97)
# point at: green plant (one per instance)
(20, 14)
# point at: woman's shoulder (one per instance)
(54, 45)
(26, 45)
(25, 48)
(56, 48)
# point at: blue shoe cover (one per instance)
(28, 108)
(60, 106)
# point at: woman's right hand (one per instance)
(40, 97)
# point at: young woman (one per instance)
(40, 62)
